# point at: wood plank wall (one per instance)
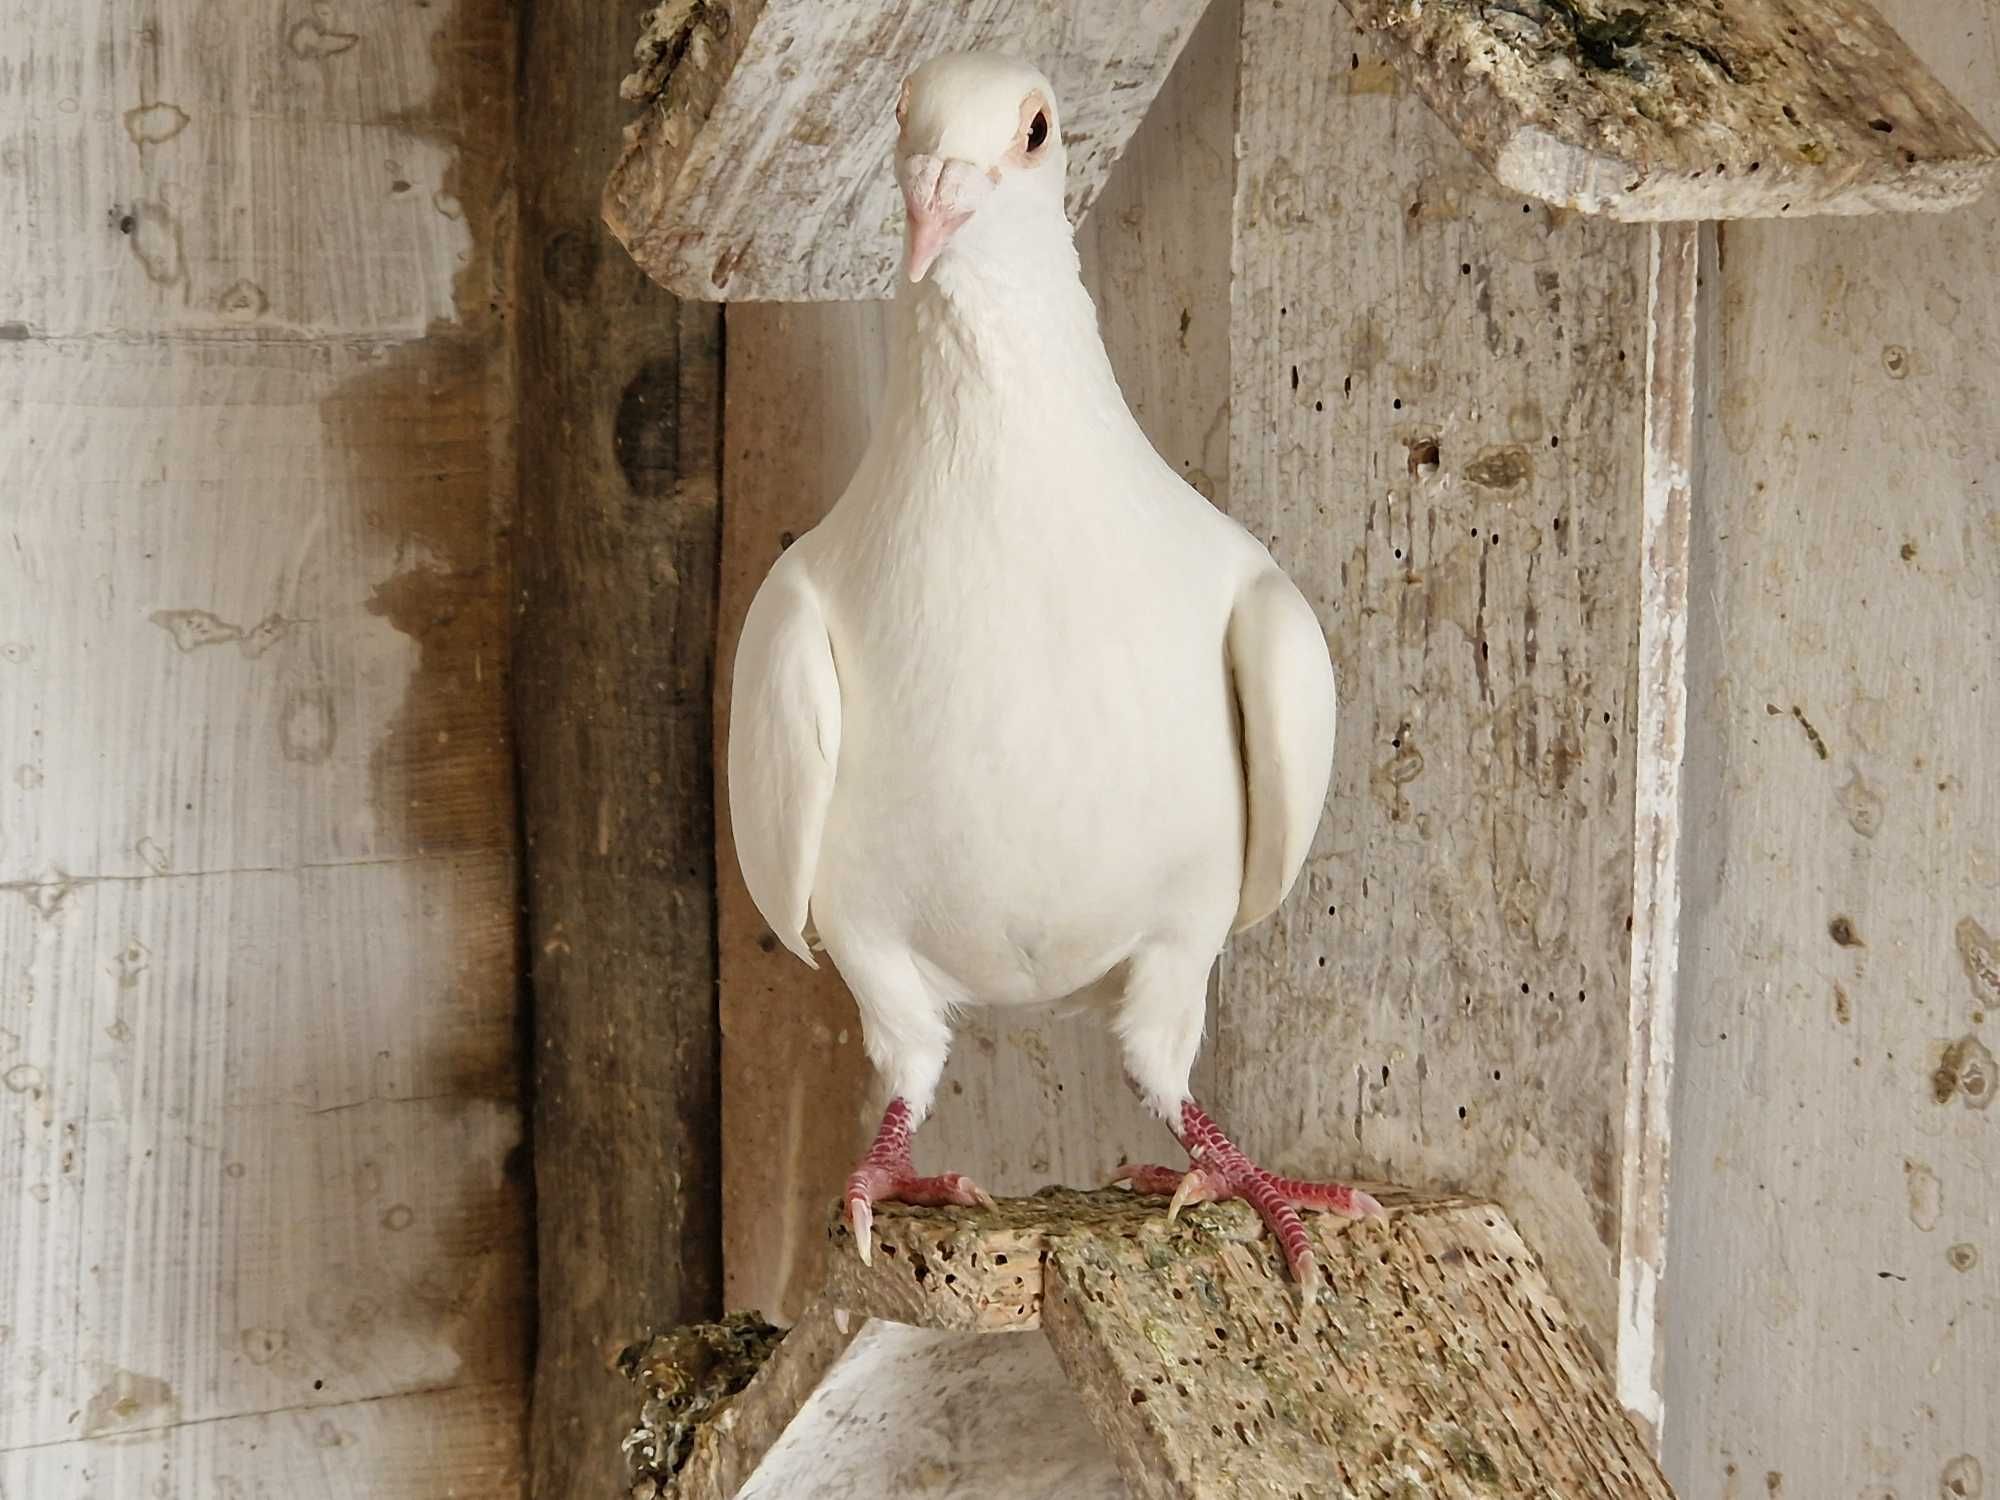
(1437, 429)
(262, 1208)
(1833, 1286)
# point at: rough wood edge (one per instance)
(728, 1450)
(944, 1267)
(1657, 812)
(1513, 83)
(684, 56)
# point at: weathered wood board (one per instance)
(264, 1221)
(1437, 428)
(1024, 1099)
(760, 165)
(614, 635)
(1690, 109)
(1436, 1360)
(450, 1443)
(1835, 1226)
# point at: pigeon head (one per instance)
(979, 153)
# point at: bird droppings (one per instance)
(1965, 1068)
(153, 124)
(1812, 734)
(1925, 1192)
(1843, 1007)
(129, 1400)
(1501, 468)
(1963, 1256)
(1979, 955)
(1861, 804)
(313, 42)
(1841, 930)
(1964, 1478)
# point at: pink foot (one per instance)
(886, 1175)
(1218, 1169)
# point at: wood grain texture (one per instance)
(1836, 1230)
(260, 1131)
(458, 1443)
(137, 137)
(1025, 1099)
(1682, 109)
(620, 421)
(1659, 813)
(760, 168)
(1437, 410)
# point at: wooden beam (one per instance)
(760, 168)
(1436, 1360)
(1658, 812)
(1690, 109)
(619, 453)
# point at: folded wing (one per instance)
(1285, 698)
(784, 746)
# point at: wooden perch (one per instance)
(1689, 109)
(1177, 1362)
(760, 168)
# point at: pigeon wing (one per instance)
(784, 745)
(1285, 698)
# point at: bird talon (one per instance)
(862, 1218)
(1188, 1192)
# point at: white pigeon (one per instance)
(1025, 719)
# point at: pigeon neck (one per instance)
(1010, 324)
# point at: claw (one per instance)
(1307, 1272)
(1185, 1194)
(862, 1218)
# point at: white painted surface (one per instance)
(1833, 1281)
(913, 1412)
(258, 1235)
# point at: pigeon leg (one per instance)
(886, 1174)
(1218, 1169)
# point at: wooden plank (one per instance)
(136, 138)
(761, 165)
(257, 951)
(193, 1138)
(1841, 855)
(1435, 1360)
(1437, 396)
(1684, 109)
(620, 424)
(1025, 1100)
(1659, 811)
(449, 1443)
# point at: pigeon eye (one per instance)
(1038, 130)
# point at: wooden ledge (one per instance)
(759, 168)
(1177, 1361)
(1690, 109)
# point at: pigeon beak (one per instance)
(938, 197)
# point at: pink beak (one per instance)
(935, 195)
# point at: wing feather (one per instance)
(784, 746)
(1285, 698)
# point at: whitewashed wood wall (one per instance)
(261, 1224)
(1832, 1298)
